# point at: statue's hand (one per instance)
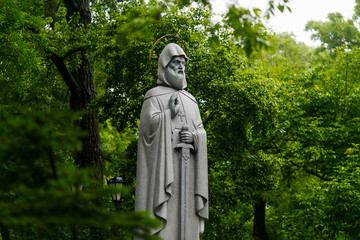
(186, 137)
(174, 104)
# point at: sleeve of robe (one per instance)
(201, 165)
(154, 165)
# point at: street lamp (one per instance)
(77, 188)
(115, 185)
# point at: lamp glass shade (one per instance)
(115, 185)
(116, 191)
(77, 188)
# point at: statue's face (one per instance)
(175, 72)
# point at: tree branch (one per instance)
(240, 225)
(72, 51)
(211, 116)
(310, 172)
(52, 163)
(316, 174)
(276, 147)
(34, 30)
(65, 73)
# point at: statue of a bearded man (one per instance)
(172, 181)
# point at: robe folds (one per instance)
(158, 180)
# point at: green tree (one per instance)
(315, 134)
(37, 176)
(52, 48)
(335, 33)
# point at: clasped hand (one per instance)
(186, 137)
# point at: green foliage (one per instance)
(37, 177)
(22, 68)
(248, 28)
(317, 124)
(120, 158)
(335, 33)
(282, 126)
(30, 145)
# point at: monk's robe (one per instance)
(158, 180)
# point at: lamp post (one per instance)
(76, 188)
(115, 185)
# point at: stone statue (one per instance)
(172, 181)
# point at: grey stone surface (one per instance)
(172, 175)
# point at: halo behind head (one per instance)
(165, 36)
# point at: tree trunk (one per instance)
(259, 230)
(91, 155)
(82, 89)
(50, 10)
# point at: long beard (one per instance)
(175, 80)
